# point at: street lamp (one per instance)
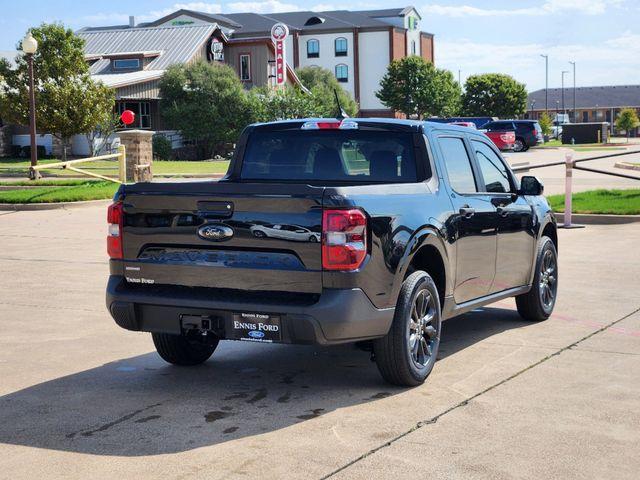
(546, 82)
(533, 102)
(29, 47)
(574, 90)
(564, 110)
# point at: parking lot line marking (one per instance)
(466, 401)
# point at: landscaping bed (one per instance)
(616, 202)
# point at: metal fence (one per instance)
(570, 165)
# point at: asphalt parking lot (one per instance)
(81, 398)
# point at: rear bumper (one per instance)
(338, 315)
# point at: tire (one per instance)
(259, 234)
(537, 305)
(398, 362)
(179, 350)
(313, 239)
(519, 145)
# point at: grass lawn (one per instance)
(617, 202)
(19, 167)
(70, 191)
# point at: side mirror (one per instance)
(530, 185)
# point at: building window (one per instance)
(342, 73)
(341, 47)
(245, 67)
(141, 110)
(313, 48)
(585, 117)
(413, 47)
(126, 63)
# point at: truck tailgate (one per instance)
(249, 236)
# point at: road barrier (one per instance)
(570, 165)
(34, 172)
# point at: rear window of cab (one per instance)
(352, 156)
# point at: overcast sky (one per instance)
(474, 36)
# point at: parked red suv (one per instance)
(503, 140)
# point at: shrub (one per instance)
(162, 149)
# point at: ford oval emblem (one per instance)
(215, 233)
(256, 334)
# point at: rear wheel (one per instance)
(407, 354)
(519, 145)
(180, 350)
(538, 303)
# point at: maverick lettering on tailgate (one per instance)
(254, 327)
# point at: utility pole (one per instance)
(564, 110)
(459, 77)
(546, 82)
(574, 91)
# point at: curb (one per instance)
(598, 219)
(24, 207)
(627, 165)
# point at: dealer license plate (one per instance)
(254, 327)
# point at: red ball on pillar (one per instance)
(128, 117)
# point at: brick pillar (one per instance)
(139, 153)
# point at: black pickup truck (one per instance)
(330, 231)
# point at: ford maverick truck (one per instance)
(329, 231)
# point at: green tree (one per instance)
(415, 87)
(68, 101)
(268, 105)
(206, 103)
(627, 120)
(545, 123)
(494, 95)
(322, 84)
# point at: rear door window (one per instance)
(352, 156)
(458, 164)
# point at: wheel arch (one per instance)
(550, 229)
(426, 251)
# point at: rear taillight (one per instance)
(115, 217)
(535, 132)
(344, 239)
(508, 137)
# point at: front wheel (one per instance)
(180, 350)
(407, 354)
(538, 303)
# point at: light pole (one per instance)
(546, 82)
(29, 47)
(564, 110)
(574, 91)
(533, 102)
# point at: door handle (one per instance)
(503, 212)
(467, 211)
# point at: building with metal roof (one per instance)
(356, 45)
(592, 104)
